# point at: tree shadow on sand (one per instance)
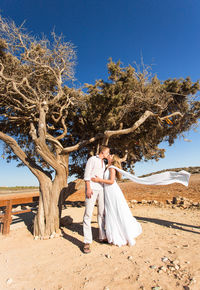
(169, 224)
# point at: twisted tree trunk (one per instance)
(46, 222)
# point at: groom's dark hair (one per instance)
(103, 148)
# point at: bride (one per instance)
(121, 226)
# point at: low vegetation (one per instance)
(18, 187)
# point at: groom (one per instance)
(94, 192)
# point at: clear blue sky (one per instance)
(165, 33)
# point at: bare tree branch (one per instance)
(34, 168)
(136, 125)
(82, 143)
(171, 115)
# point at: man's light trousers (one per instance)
(98, 195)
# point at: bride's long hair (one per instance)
(116, 161)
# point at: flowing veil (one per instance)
(163, 178)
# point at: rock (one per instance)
(186, 287)
(9, 281)
(137, 277)
(175, 262)
(177, 267)
(185, 246)
(156, 288)
(164, 259)
(185, 203)
(57, 235)
(130, 258)
(163, 268)
(153, 267)
(176, 200)
(193, 280)
(133, 201)
(108, 256)
(106, 288)
(168, 201)
(144, 201)
(86, 283)
(171, 268)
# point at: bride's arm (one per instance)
(106, 181)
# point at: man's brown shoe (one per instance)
(86, 249)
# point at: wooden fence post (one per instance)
(7, 218)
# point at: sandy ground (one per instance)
(172, 234)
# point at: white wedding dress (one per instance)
(121, 226)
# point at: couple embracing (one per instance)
(116, 223)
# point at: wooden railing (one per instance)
(8, 200)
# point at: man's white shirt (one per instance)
(95, 167)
